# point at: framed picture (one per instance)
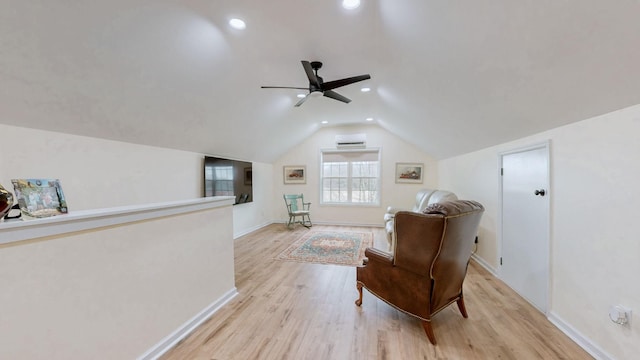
(39, 198)
(295, 174)
(410, 173)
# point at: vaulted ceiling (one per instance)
(448, 76)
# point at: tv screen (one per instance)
(226, 177)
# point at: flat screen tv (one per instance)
(226, 177)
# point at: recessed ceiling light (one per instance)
(365, 89)
(350, 4)
(369, 119)
(300, 96)
(237, 24)
(324, 122)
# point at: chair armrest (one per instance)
(306, 206)
(373, 254)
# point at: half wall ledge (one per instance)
(21, 230)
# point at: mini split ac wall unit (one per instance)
(351, 141)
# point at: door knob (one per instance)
(540, 192)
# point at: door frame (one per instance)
(541, 145)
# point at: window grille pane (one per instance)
(334, 169)
(350, 177)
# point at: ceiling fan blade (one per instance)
(283, 87)
(334, 95)
(330, 85)
(310, 74)
(301, 101)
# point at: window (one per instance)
(350, 177)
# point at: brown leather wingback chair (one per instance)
(425, 272)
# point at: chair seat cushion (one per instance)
(300, 212)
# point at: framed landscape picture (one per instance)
(410, 173)
(39, 198)
(295, 174)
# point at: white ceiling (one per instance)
(448, 76)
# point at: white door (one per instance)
(525, 224)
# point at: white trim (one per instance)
(333, 223)
(484, 264)
(183, 331)
(19, 230)
(589, 346)
(250, 230)
(347, 224)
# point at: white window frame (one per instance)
(349, 202)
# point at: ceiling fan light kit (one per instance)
(350, 4)
(318, 87)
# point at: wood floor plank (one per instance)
(292, 310)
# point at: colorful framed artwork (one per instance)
(409, 173)
(295, 174)
(39, 198)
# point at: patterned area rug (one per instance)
(328, 247)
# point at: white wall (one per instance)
(254, 215)
(97, 173)
(112, 292)
(393, 150)
(595, 171)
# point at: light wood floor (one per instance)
(289, 310)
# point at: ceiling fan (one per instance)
(318, 87)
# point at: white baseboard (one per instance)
(247, 231)
(348, 224)
(182, 332)
(589, 346)
(484, 264)
(333, 223)
(582, 341)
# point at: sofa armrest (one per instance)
(393, 210)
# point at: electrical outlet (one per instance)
(620, 314)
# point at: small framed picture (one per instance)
(409, 173)
(295, 174)
(39, 198)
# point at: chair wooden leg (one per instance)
(359, 301)
(427, 329)
(306, 222)
(463, 310)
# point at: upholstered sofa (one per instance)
(424, 198)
